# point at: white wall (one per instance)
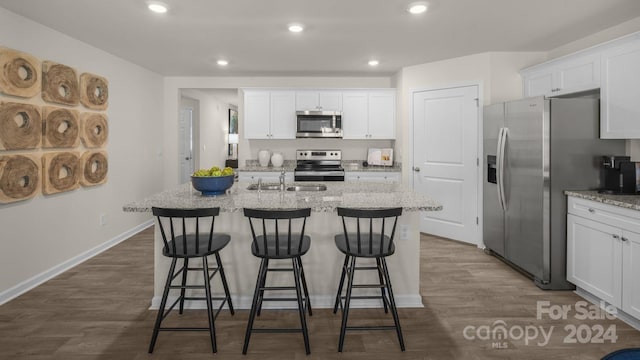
(211, 130)
(248, 149)
(42, 233)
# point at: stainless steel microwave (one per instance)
(319, 124)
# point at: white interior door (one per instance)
(445, 152)
(186, 145)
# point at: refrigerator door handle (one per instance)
(499, 166)
(502, 142)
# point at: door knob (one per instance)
(416, 169)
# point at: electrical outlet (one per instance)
(103, 219)
(404, 232)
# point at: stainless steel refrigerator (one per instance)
(534, 149)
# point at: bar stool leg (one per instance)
(185, 271)
(224, 283)
(345, 311)
(207, 290)
(392, 302)
(163, 304)
(262, 285)
(339, 294)
(254, 305)
(297, 273)
(304, 286)
(384, 301)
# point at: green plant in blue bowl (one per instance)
(214, 181)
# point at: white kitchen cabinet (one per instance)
(283, 115)
(372, 117)
(576, 73)
(603, 252)
(328, 100)
(373, 176)
(269, 114)
(355, 114)
(266, 176)
(257, 116)
(594, 258)
(631, 271)
(620, 92)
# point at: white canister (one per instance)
(263, 157)
(277, 160)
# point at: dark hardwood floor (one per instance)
(99, 310)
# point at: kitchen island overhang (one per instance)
(323, 262)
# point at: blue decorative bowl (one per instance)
(212, 185)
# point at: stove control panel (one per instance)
(318, 154)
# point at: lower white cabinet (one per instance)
(373, 176)
(266, 176)
(603, 252)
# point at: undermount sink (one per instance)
(264, 187)
(318, 187)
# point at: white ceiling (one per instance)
(340, 35)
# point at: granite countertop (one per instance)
(347, 194)
(625, 201)
(348, 165)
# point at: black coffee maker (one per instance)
(618, 175)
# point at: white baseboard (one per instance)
(44, 276)
(623, 316)
(317, 302)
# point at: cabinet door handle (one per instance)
(591, 210)
(624, 238)
(616, 236)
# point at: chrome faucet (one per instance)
(259, 183)
(282, 185)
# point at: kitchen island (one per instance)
(323, 262)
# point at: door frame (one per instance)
(479, 149)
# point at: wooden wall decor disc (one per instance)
(20, 126)
(61, 128)
(94, 167)
(95, 129)
(19, 178)
(94, 91)
(60, 172)
(20, 73)
(59, 84)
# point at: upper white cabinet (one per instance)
(328, 100)
(620, 92)
(369, 115)
(568, 75)
(269, 114)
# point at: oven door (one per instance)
(318, 124)
(318, 175)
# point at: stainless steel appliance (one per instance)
(322, 124)
(318, 165)
(618, 175)
(534, 149)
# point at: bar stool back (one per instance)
(373, 242)
(273, 241)
(180, 242)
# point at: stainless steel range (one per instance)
(319, 165)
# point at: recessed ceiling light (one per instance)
(373, 62)
(157, 7)
(296, 28)
(417, 8)
(223, 62)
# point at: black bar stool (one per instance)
(187, 245)
(276, 245)
(376, 245)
